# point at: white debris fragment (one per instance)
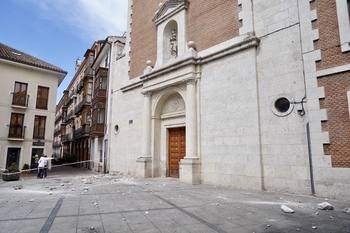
(286, 209)
(50, 193)
(31, 200)
(87, 181)
(73, 189)
(347, 210)
(325, 206)
(314, 227)
(62, 184)
(18, 186)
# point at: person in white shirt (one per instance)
(42, 166)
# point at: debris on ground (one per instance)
(347, 210)
(18, 186)
(286, 209)
(325, 206)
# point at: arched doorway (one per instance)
(169, 121)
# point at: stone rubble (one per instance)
(286, 209)
(325, 206)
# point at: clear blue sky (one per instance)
(60, 31)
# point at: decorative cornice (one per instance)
(175, 4)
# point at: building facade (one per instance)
(82, 114)
(249, 94)
(28, 110)
(73, 113)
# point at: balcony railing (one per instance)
(86, 101)
(67, 137)
(20, 99)
(16, 131)
(57, 130)
(82, 132)
(89, 72)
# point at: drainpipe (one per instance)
(310, 158)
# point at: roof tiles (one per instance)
(11, 54)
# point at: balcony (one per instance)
(67, 138)
(56, 144)
(58, 117)
(80, 86)
(88, 72)
(20, 100)
(57, 130)
(16, 132)
(82, 132)
(85, 102)
(97, 129)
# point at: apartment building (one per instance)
(104, 75)
(82, 113)
(248, 94)
(73, 113)
(29, 87)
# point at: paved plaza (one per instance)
(75, 200)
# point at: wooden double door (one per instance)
(176, 150)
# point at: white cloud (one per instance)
(91, 20)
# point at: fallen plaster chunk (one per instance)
(347, 210)
(325, 206)
(286, 209)
(18, 186)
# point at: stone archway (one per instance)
(169, 113)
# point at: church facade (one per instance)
(248, 94)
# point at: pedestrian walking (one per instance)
(45, 167)
(42, 166)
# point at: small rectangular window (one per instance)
(101, 116)
(42, 97)
(39, 127)
(20, 96)
(16, 126)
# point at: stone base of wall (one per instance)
(190, 170)
(144, 167)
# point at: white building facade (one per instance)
(231, 101)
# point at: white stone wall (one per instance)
(280, 74)
(229, 128)
(126, 144)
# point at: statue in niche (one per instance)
(173, 43)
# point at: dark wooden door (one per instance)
(177, 149)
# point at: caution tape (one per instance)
(32, 169)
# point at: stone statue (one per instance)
(173, 43)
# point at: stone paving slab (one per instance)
(91, 202)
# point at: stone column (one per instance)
(190, 165)
(144, 163)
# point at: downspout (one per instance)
(302, 113)
(108, 126)
(262, 172)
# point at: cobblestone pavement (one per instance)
(77, 200)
